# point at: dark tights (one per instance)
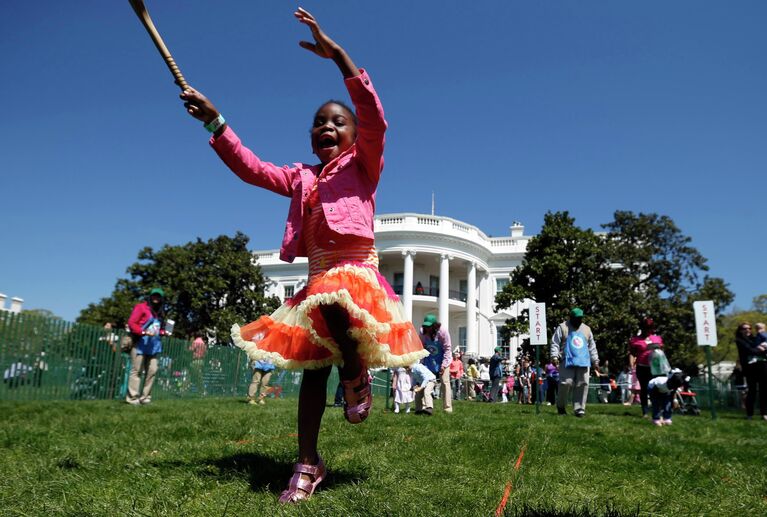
(756, 379)
(644, 374)
(311, 398)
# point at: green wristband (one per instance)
(215, 124)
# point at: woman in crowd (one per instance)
(753, 358)
(640, 350)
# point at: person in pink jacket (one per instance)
(640, 350)
(145, 325)
(347, 315)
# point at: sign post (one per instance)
(705, 327)
(538, 337)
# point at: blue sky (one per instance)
(505, 109)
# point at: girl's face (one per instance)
(333, 132)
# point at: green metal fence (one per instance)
(50, 359)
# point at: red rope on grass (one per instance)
(507, 489)
(504, 500)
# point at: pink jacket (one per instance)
(641, 349)
(139, 316)
(347, 189)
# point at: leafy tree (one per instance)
(760, 303)
(562, 266)
(663, 276)
(41, 313)
(642, 266)
(208, 287)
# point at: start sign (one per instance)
(538, 334)
(705, 323)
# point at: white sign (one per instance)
(705, 323)
(538, 335)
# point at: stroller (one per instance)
(482, 390)
(685, 400)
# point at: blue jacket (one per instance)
(496, 370)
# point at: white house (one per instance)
(437, 265)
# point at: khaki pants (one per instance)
(423, 398)
(259, 377)
(139, 363)
(471, 392)
(446, 391)
(575, 379)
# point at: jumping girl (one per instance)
(347, 315)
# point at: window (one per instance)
(501, 342)
(433, 285)
(289, 291)
(500, 283)
(397, 283)
(462, 339)
(463, 290)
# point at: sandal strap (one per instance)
(301, 484)
(359, 386)
(360, 393)
(360, 381)
(311, 470)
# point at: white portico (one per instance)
(437, 265)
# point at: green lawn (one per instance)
(223, 457)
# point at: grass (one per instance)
(223, 457)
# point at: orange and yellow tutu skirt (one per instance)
(296, 336)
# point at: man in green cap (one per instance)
(573, 344)
(437, 341)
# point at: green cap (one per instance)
(577, 312)
(429, 320)
(498, 349)
(157, 290)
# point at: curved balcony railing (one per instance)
(432, 291)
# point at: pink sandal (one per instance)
(357, 391)
(299, 489)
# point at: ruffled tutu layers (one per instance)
(295, 336)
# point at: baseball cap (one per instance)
(429, 320)
(576, 312)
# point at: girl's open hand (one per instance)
(198, 106)
(323, 46)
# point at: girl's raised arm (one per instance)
(325, 47)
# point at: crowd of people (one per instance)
(646, 379)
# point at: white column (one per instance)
(407, 284)
(484, 307)
(471, 310)
(444, 290)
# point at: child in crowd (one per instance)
(505, 390)
(424, 381)
(262, 372)
(661, 390)
(604, 383)
(624, 384)
(347, 315)
(403, 389)
(510, 385)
